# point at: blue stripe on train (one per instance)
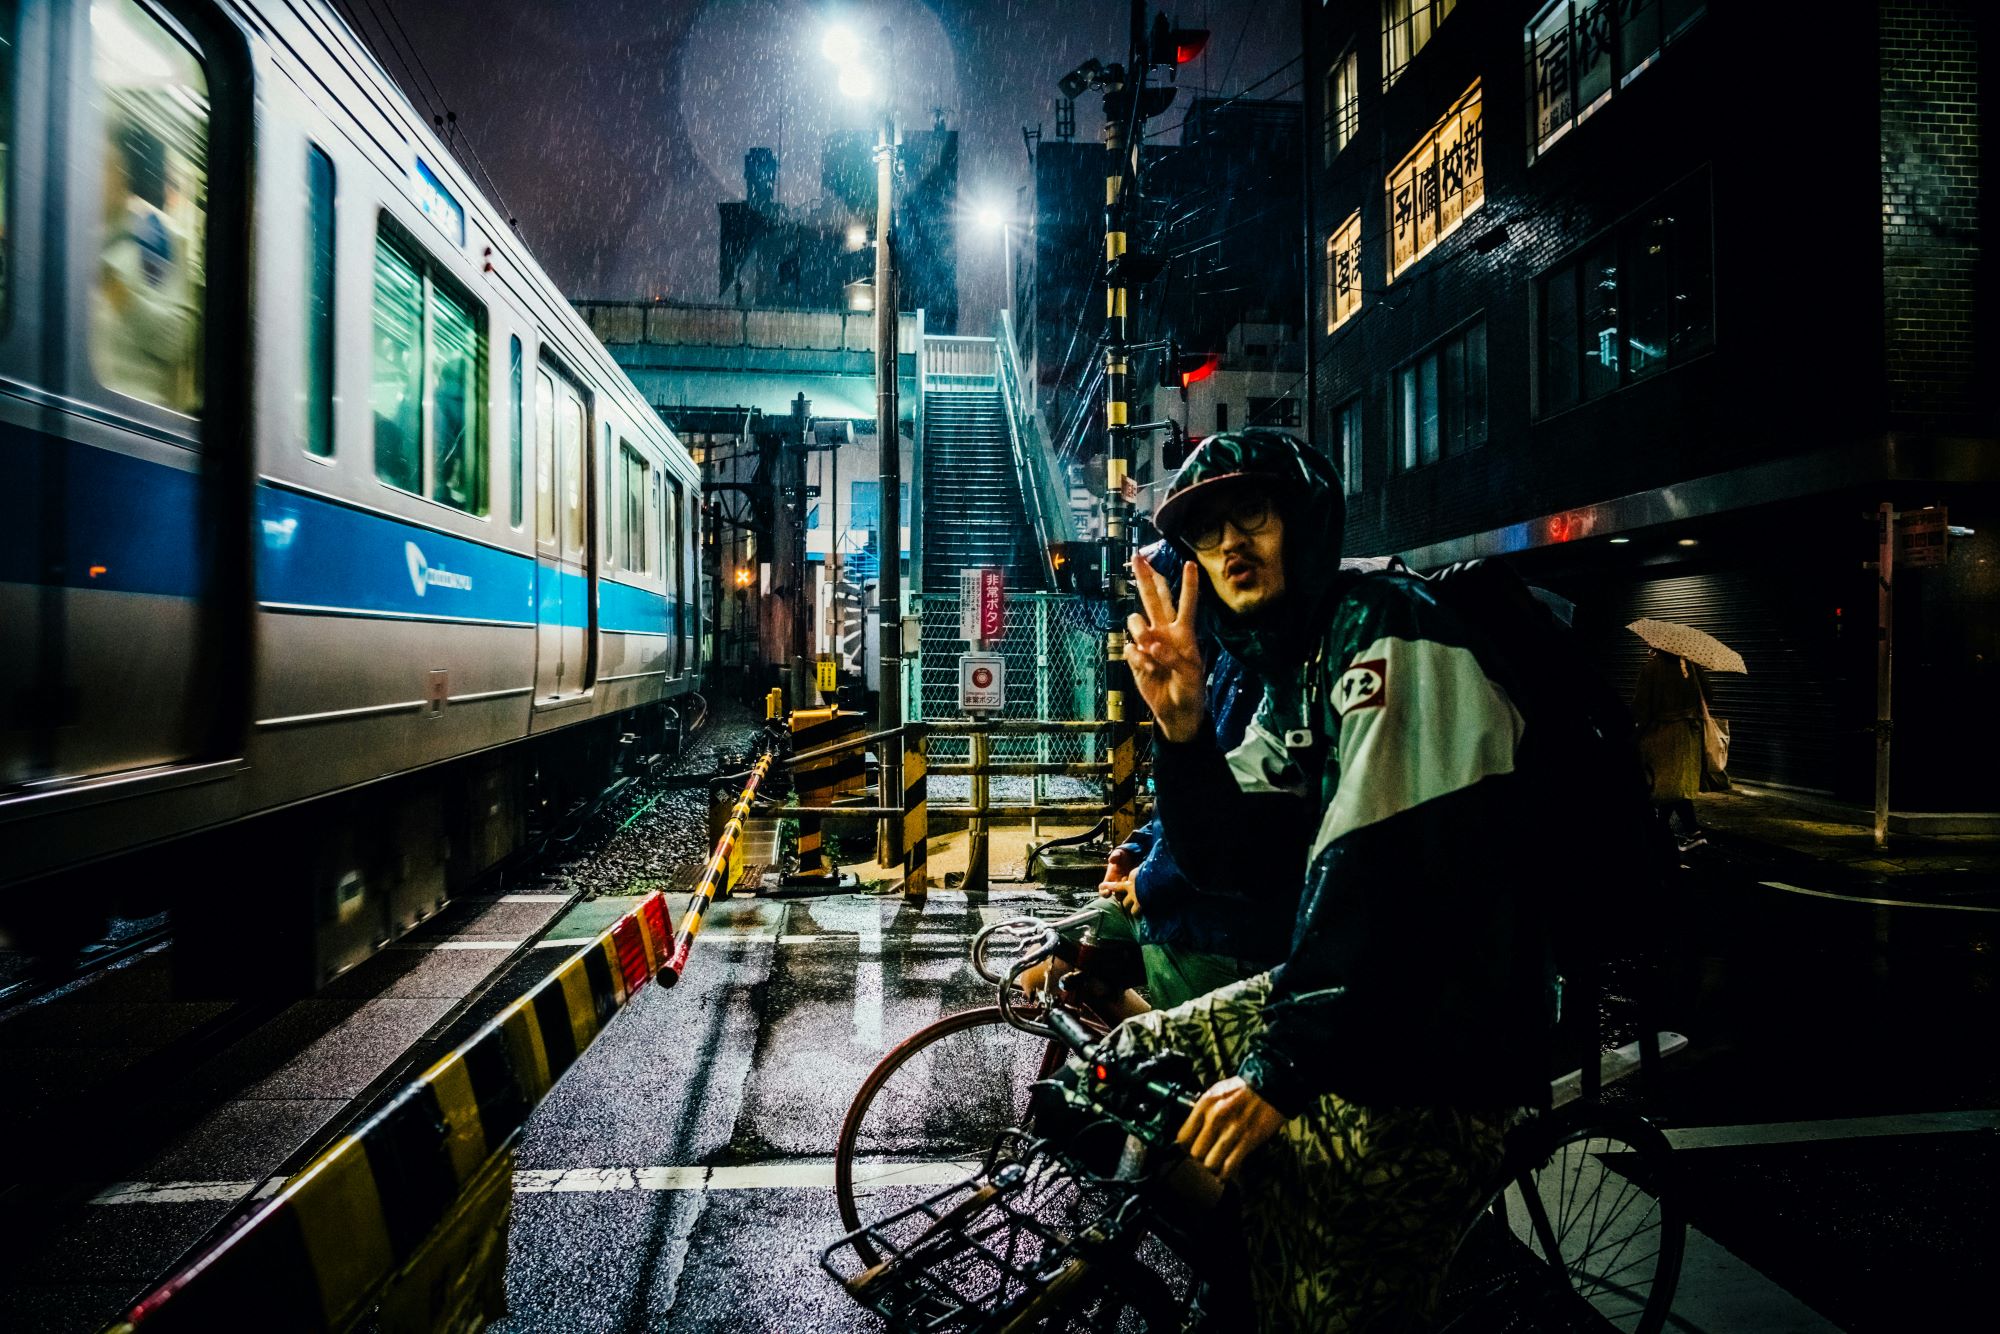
(128, 525)
(317, 554)
(621, 608)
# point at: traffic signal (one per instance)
(1180, 369)
(1176, 46)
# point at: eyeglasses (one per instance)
(1248, 515)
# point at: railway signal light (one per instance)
(1175, 46)
(1180, 369)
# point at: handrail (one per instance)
(1046, 499)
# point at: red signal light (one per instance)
(1103, 1074)
(1201, 371)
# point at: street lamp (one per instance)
(858, 79)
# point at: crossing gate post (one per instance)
(976, 835)
(1124, 793)
(915, 821)
(820, 782)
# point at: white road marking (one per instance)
(564, 943)
(477, 945)
(804, 1175)
(1879, 903)
(185, 1192)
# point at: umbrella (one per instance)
(1684, 641)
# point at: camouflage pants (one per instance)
(1350, 1213)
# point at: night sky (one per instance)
(612, 127)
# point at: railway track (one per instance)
(100, 1131)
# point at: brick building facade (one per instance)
(1659, 302)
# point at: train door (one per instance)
(562, 584)
(130, 284)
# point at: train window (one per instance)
(634, 486)
(458, 455)
(317, 388)
(398, 380)
(10, 13)
(430, 430)
(575, 438)
(545, 457)
(676, 524)
(146, 299)
(515, 388)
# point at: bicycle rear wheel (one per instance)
(930, 1112)
(1593, 1202)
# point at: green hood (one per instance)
(1308, 492)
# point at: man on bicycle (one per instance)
(1194, 938)
(1360, 1091)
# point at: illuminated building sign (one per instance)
(1343, 272)
(1441, 181)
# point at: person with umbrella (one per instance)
(1671, 717)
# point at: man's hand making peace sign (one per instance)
(1163, 653)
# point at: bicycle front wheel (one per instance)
(1595, 1204)
(930, 1111)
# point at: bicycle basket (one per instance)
(972, 1255)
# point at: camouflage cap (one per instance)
(1235, 458)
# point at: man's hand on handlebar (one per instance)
(1228, 1123)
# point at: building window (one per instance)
(1221, 418)
(1579, 52)
(1273, 411)
(1631, 304)
(1347, 429)
(1343, 103)
(148, 291)
(1407, 26)
(429, 375)
(1438, 404)
(1440, 183)
(1343, 272)
(317, 389)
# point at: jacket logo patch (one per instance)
(1365, 685)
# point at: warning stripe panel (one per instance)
(320, 1252)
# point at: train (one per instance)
(336, 553)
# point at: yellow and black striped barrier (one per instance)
(822, 779)
(712, 876)
(406, 1219)
(1123, 797)
(916, 816)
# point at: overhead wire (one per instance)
(418, 80)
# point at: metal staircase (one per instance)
(974, 514)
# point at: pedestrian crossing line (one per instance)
(801, 1175)
(186, 1192)
(1876, 903)
(1809, 1132)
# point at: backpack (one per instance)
(1609, 872)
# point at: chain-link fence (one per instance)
(1053, 647)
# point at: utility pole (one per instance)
(1885, 659)
(889, 576)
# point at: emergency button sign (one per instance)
(982, 683)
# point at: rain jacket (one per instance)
(1420, 970)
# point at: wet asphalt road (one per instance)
(678, 1179)
(749, 1062)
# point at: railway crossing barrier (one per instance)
(821, 781)
(1119, 802)
(403, 1224)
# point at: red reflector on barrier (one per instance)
(631, 952)
(654, 910)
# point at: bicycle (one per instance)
(1580, 1229)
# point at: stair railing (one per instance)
(1048, 505)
